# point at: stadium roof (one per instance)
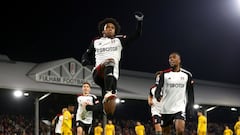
(132, 84)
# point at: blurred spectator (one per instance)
(139, 128)
(227, 131)
(98, 130)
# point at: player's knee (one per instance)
(109, 66)
(180, 130)
(109, 62)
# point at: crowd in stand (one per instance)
(20, 125)
(15, 125)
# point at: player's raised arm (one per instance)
(87, 57)
(127, 39)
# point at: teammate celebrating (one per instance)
(107, 50)
(175, 89)
(155, 106)
(87, 103)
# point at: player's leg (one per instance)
(179, 126)
(88, 130)
(166, 121)
(98, 76)
(103, 76)
(157, 126)
(80, 128)
(110, 82)
(109, 79)
(80, 131)
(179, 123)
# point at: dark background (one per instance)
(130, 110)
(53, 104)
(205, 32)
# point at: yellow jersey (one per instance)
(98, 130)
(202, 124)
(228, 132)
(140, 130)
(110, 129)
(67, 123)
(237, 128)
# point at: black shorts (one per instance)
(156, 119)
(98, 76)
(167, 119)
(86, 127)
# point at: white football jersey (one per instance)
(155, 108)
(174, 94)
(82, 114)
(106, 48)
(58, 128)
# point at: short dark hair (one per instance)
(86, 83)
(201, 111)
(108, 20)
(177, 53)
(70, 104)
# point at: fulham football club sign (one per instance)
(66, 72)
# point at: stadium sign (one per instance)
(60, 80)
(65, 72)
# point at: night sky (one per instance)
(205, 32)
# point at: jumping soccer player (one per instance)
(106, 52)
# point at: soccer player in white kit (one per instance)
(106, 51)
(87, 103)
(155, 106)
(175, 93)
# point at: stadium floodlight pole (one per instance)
(37, 99)
(36, 116)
